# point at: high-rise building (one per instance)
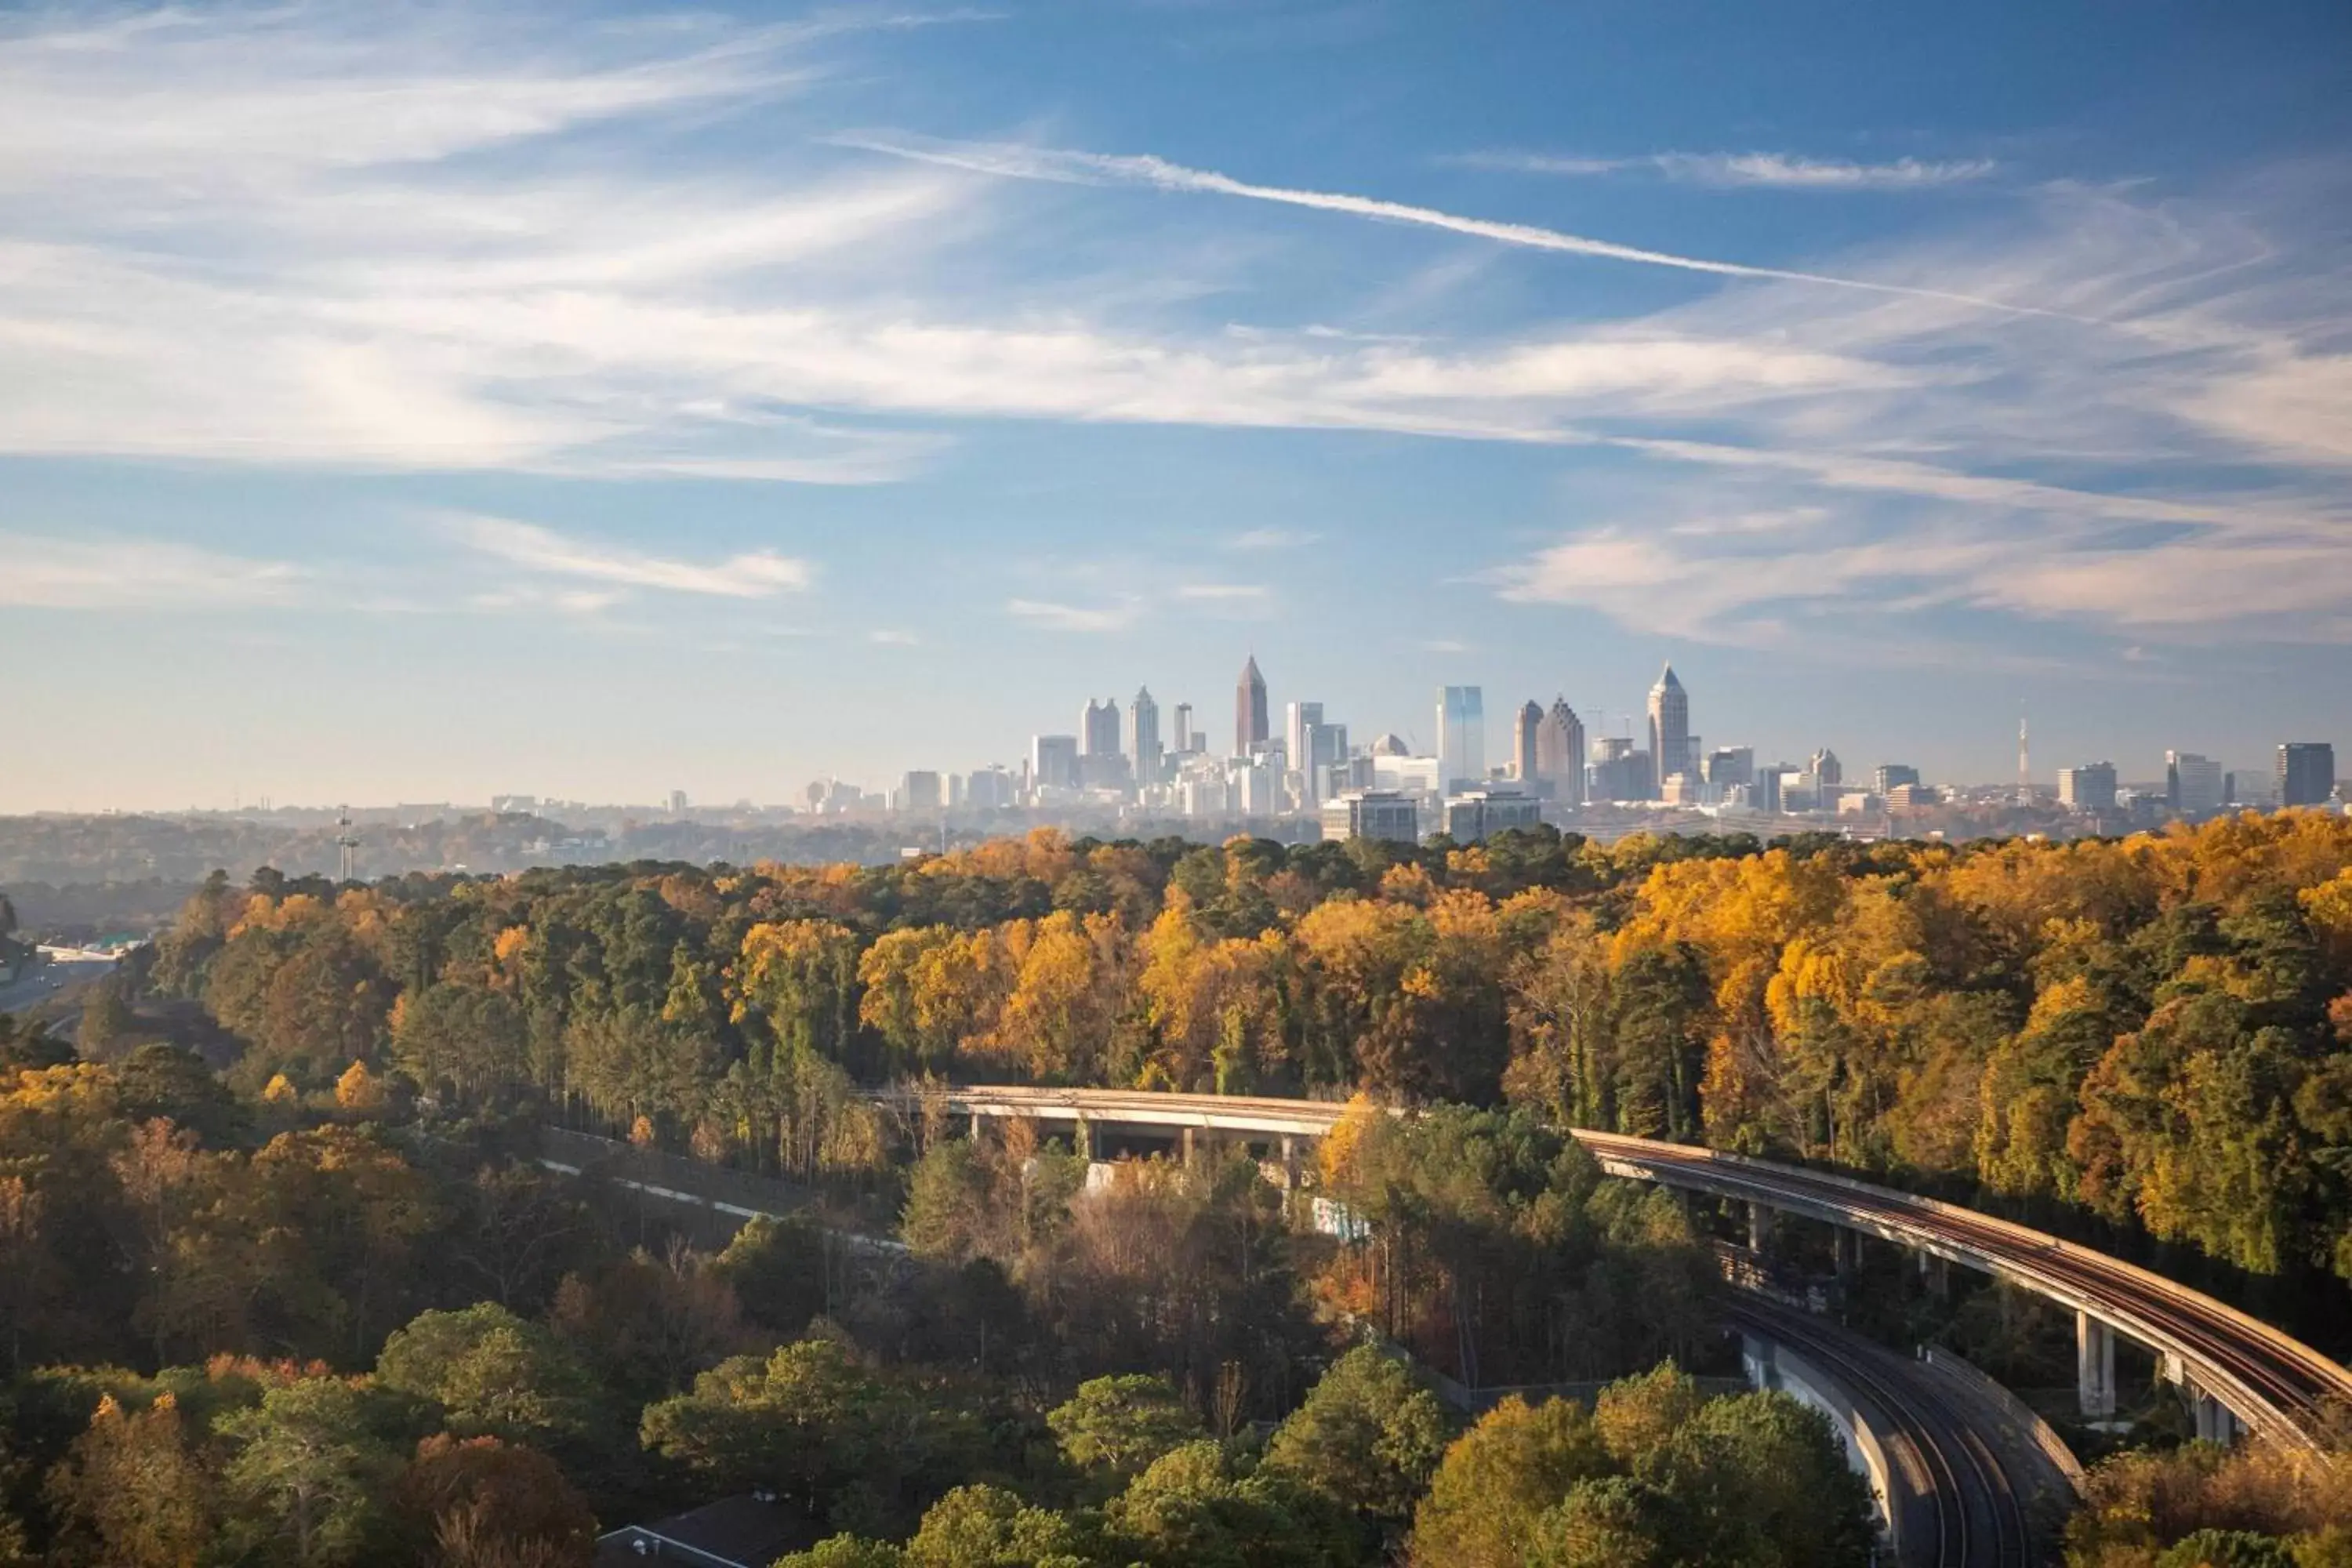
(1461, 738)
(1890, 774)
(1619, 772)
(1525, 767)
(1827, 772)
(1188, 739)
(678, 803)
(1670, 748)
(2193, 785)
(1297, 718)
(918, 790)
(2089, 788)
(1054, 762)
(1728, 766)
(1559, 752)
(2306, 773)
(1255, 787)
(1098, 731)
(1143, 737)
(1249, 709)
(1326, 747)
(989, 789)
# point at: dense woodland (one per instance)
(313, 1301)
(245, 1328)
(2152, 1031)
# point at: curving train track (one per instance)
(2274, 1385)
(1978, 1507)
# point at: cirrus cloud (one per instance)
(1776, 171)
(755, 574)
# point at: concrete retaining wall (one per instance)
(1775, 1366)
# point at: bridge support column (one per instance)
(1845, 1251)
(2095, 1366)
(1082, 1139)
(1191, 1146)
(2214, 1422)
(1289, 1163)
(1759, 1225)
(1937, 1270)
(975, 1126)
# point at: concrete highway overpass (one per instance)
(2240, 1372)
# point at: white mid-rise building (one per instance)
(1372, 814)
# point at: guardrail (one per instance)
(2046, 1437)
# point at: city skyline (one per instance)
(1562, 727)
(1123, 755)
(664, 401)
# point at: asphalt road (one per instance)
(50, 983)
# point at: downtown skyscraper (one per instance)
(1250, 726)
(1143, 736)
(1461, 738)
(1526, 728)
(1098, 729)
(1670, 744)
(1559, 752)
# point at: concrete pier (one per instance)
(2094, 1367)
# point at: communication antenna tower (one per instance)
(347, 844)
(2024, 764)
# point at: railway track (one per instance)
(2279, 1388)
(2296, 1383)
(1981, 1520)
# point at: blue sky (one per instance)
(413, 402)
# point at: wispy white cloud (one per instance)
(1117, 615)
(240, 94)
(42, 572)
(1016, 162)
(892, 638)
(755, 574)
(1272, 539)
(565, 601)
(1779, 171)
(267, 235)
(459, 288)
(1227, 601)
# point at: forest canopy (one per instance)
(2155, 1031)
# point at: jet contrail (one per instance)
(1099, 168)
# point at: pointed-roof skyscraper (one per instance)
(1250, 728)
(1669, 728)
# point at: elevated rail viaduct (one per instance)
(2239, 1373)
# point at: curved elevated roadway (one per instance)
(2272, 1384)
